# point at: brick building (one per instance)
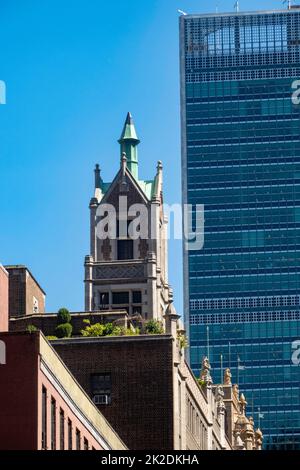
(3, 299)
(25, 294)
(145, 389)
(42, 405)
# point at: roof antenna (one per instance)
(182, 12)
(237, 6)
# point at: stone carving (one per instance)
(119, 272)
(227, 377)
(205, 371)
(220, 397)
(236, 392)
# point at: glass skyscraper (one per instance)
(241, 159)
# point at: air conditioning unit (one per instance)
(101, 399)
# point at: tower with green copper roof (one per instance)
(125, 271)
(129, 142)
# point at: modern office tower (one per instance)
(241, 159)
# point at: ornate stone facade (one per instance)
(137, 277)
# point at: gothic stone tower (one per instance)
(125, 272)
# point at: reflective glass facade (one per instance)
(241, 159)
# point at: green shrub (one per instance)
(31, 329)
(51, 338)
(154, 327)
(93, 330)
(109, 329)
(183, 342)
(63, 316)
(201, 382)
(130, 332)
(117, 331)
(64, 330)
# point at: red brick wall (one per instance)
(142, 392)
(3, 300)
(18, 393)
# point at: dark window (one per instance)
(78, 439)
(70, 437)
(53, 424)
(137, 297)
(104, 299)
(62, 429)
(101, 388)
(120, 298)
(44, 418)
(85, 444)
(125, 249)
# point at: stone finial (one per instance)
(159, 166)
(97, 176)
(124, 162)
(227, 377)
(243, 404)
(205, 371)
(258, 439)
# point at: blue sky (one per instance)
(72, 70)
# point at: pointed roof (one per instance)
(129, 132)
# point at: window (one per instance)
(70, 437)
(62, 429)
(137, 297)
(120, 298)
(125, 249)
(53, 424)
(85, 444)
(101, 388)
(44, 418)
(35, 305)
(78, 439)
(104, 300)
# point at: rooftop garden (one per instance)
(136, 326)
(64, 327)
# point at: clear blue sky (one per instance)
(72, 70)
